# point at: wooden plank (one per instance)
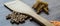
(21, 7)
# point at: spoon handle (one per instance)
(41, 20)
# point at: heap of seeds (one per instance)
(41, 6)
(16, 17)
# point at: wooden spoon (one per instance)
(21, 7)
